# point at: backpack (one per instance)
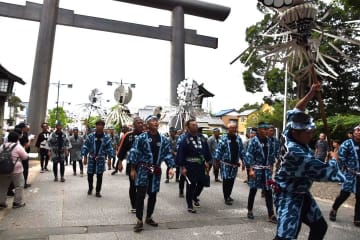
(6, 161)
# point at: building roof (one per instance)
(247, 112)
(8, 75)
(224, 112)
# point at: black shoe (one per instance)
(10, 193)
(26, 185)
(332, 215)
(196, 203)
(3, 205)
(273, 219)
(228, 202)
(230, 199)
(217, 180)
(46, 169)
(250, 215)
(151, 222)
(133, 210)
(89, 191)
(167, 181)
(98, 195)
(139, 226)
(114, 172)
(62, 179)
(357, 223)
(191, 210)
(18, 205)
(177, 180)
(181, 195)
(56, 179)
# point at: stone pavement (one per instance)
(64, 211)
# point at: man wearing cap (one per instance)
(125, 145)
(193, 157)
(173, 140)
(96, 148)
(299, 168)
(228, 154)
(259, 161)
(212, 143)
(349, 160)
(76, 143)
(59, 150)
(149, 150)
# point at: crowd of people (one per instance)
(283, 169)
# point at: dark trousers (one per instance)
(193, 191)
(132, 193)
(268, 200)
(44, 158)
(343, 196)
(167, 173)
(215, 171)
(177, 174)
(140, 198)
(181, 183)
(99, 177)
(25, 164)
(80, 165)
(228, 185)
(62, 168)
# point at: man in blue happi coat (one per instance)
(95, 149)
(299, 168)
(349, 160)
(149, 150)
(193, 157)
(228, 153)
(260, 160)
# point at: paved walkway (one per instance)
(64, 211)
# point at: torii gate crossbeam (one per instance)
(50, 15)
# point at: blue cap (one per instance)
(216, 130)
(263, 125)
(172, 129)
(58, 123)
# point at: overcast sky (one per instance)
(88, 58)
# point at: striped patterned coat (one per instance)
(255, 157)
(349, 159)
(223, 154)
(141, 153)
(299, 168)
(97, 166)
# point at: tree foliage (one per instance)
(61, 117)
(341, 95)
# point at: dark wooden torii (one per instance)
(49, 15)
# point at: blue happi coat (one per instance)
(349, 160)
(223, 154)
(299, 168)
(97, 165)
(256, 157)
(141, 153)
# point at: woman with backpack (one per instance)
(18, 153)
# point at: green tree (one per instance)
(341, 95)
(61, 116)
(15, 104)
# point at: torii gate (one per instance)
(49, 15)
